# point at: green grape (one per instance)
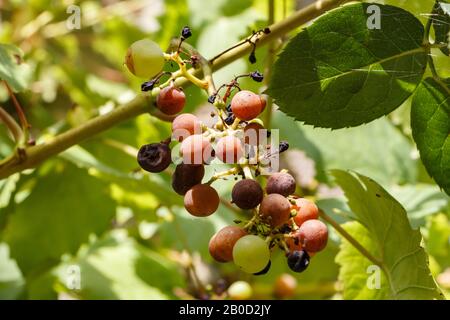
(251, 254)
(240, 290)
(144, 58)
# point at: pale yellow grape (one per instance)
(251, 254)
(144, 58)
(240, 290)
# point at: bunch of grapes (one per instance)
(277, 217)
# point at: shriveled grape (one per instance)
(154, 157)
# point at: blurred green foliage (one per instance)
(126, 230)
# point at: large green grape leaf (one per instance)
(388, 236)
(116, 267)
(338, 73)
(430, 122)
(12, 70)
(355, 272)
(441, 24)
(62, 210)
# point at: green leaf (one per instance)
(117, 267)
(438, 244)
(388, 236)
(338, 73)
(60, 213)
(430, 122)
(441, 24)
(12, 70)
(355, 272)
(380, 150)
(420, 201)
(11, 281)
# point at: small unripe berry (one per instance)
(240, 290)
(247, 194)
(257, 76)
(201, 200)
(144, 58)
(313, 235)
(281, 183)
(247, 105)
(154, 157)
(229, 149)
(285, 286)
(185, 125)
(171, 100)
(186, 32)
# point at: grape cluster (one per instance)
(277, 217)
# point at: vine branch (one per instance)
(143, 103)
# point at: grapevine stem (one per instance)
(350, 239)
(23, 119)
(142, 103)
(12, 125)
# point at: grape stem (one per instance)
(23, 119)
(247, 172)
(350, 239)
(12, 125)
(222, 174)
(143, 103)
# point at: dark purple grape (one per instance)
(154, 157)
(298, 261)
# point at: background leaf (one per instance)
(53, 220)
(430, 122)
(378, 149)
(12, 69)
(441, 24)
(392, 242)
(338, 73)
(116, 267)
